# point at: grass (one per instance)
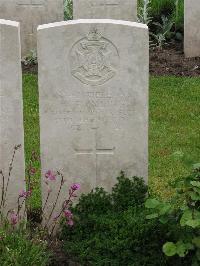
(174, 129)
(31, 128)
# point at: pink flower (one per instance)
(13, 218)
(75, 186)
(68, 214)
(70, 222)
(69, 217)
(28, 193)
(24, 194)
(50, 176)
(32, 171)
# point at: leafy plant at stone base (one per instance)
(31, 58)
(163, 32)
(184, 240)
(144, 12)
(111, 228)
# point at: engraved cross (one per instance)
(96, 152)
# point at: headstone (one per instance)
(192, 28)
(105, 9)
(93, 84)
(11, 112)
(30, 14)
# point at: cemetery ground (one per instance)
(173, 140)
(135, 224)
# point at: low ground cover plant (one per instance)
(17, 248)
(112, 229)
(105, 228)
(184, 239)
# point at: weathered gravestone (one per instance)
(93, 84)
(105, 9)
(30, 14)
(11, 112)
(192, 28)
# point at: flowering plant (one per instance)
(16, 217)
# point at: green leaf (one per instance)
(184, 207)
(164, 219)
(197, 190)
(181, 249)
(165, 209)
(196, 166)
(194, 196)
(152, 203)
(193, 223)
(169, 249)
(195, 183)
(196, 241)
(189, 246)
(152, 216)
(187, 215)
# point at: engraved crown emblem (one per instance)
(94, 35)
(94, 59)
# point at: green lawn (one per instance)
(174, 128)
(31, 124)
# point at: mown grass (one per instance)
(174, 129)
(31, 128)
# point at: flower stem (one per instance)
(55, 203)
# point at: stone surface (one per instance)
(31, 13)
(93, 85)
(11, 111)
(192, 28)
(105, 9)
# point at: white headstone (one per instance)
(192, 28)
(93, 86)
(30, 14)
(105, 9)
(11, 111)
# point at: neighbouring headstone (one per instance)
(11, 113)
(192, 28)
(105, 9)
(30, 14)
(93, 87)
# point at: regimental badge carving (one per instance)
(94, 59)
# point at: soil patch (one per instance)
(171, 61)
(30, 68)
